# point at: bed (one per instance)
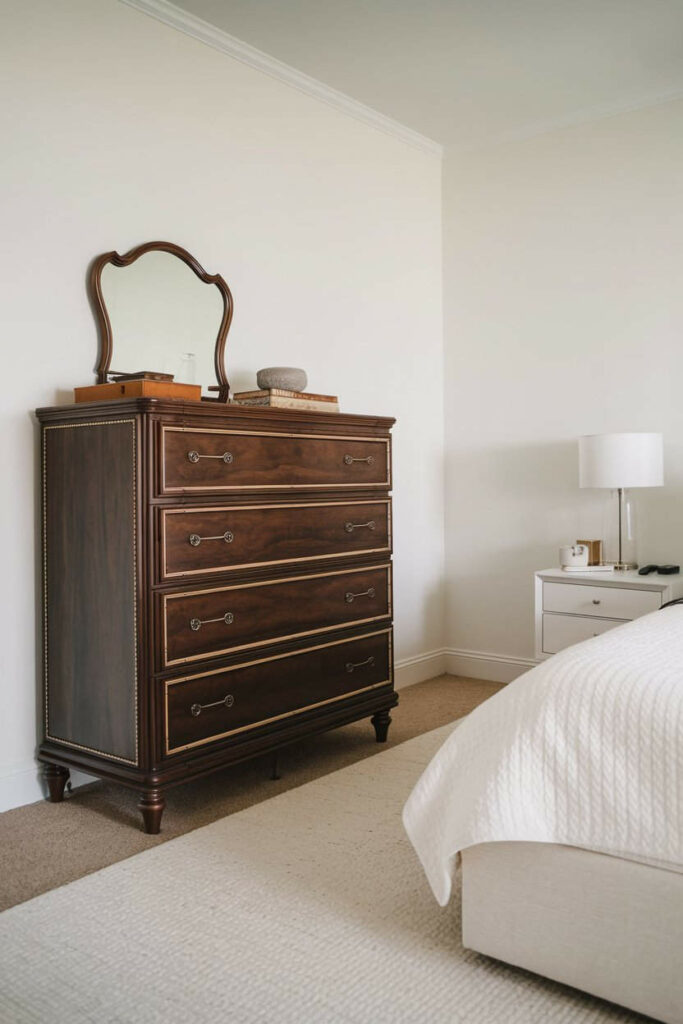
(563, 796)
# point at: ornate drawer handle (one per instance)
(349, 459)
(350, 527)
(350, 598)
(228, 619)
(195, 540)
(226, 702)
(194, 456)
(360, 664)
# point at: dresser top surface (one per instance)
(217, 414)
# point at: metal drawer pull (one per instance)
(350, 598)
(195, 540)
(226, 702)
(360, 664)
(194, 456)
(348, 459)
(350, 527)
(596, 600)
(228, 619)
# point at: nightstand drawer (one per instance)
(560, 631)
(607, 602)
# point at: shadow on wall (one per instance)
(511, 508)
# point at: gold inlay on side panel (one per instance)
(48, 735)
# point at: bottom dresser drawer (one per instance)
(203, 708)
(560, 631)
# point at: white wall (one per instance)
(116, 130)
(563, 316)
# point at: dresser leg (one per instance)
(151, 806)
(56, 778)
(381, 721)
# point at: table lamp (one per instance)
(618, 462)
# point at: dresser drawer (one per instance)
(204, 708)
(196, 541)
(205, 623)
(560, 631)
(195, 461)
(610, 602)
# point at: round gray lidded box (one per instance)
(287, 378)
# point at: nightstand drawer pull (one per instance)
(195, 540)
(596, 601)
(228, 619)
(350, 527)
(226, 702)
(194, 456)
(350, 667)
(350, 598)
(349, 459)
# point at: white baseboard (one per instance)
(422, 666)
(499, 668)
(22, 784)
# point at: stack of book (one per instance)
(278, 398)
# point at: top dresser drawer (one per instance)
(195, 461)
(602, 602)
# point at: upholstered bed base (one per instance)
(608, 926)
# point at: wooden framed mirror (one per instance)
(157, 315)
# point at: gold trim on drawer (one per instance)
(346, 624)
(358, 553)
(386, 441)
(287, 714)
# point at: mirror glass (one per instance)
(163, 319)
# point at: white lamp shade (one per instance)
(621, 460)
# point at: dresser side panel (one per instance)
(90, 555)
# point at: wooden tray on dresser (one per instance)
(217, 584)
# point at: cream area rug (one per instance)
(309, 908)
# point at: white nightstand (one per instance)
(570, 607)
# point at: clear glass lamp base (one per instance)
(619, 531)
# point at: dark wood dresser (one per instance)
(217, 584)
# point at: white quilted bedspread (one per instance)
(586, 749)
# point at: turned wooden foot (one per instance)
(56, 778)
(151, 806)
(381, 721)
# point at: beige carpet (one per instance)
(309, 908)
(46, 845)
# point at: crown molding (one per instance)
(210, 35)
(575, 118)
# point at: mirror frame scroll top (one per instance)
(104, 322)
